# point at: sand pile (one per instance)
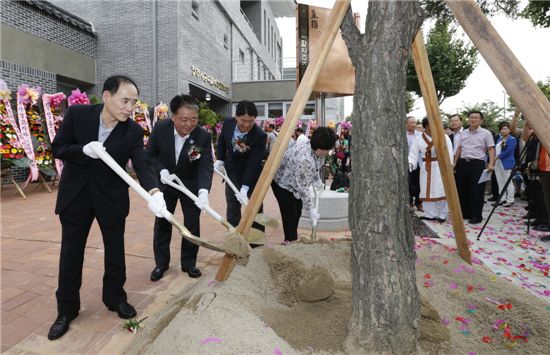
(296, 299)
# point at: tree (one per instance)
(385, 299)
(538, 12)
(438, 10)
(452, 61)
(492, 114)
(410, 99)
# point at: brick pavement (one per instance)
(30, 245)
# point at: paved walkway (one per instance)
(30, 245)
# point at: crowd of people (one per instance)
(89, 189)
(513, 160)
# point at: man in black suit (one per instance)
(89, 189)
(241, 148)
(182, 147)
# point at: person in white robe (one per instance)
(432, 193)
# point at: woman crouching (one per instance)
(299, 169)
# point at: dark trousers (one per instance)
(536, 196)
(233, 212)
(291, 211)
(163, 231)
(495, 189)
(545, 185)
(414, 187)
(76, 220)
(470, 192)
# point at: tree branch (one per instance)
(351, 34)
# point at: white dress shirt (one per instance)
(179, 141)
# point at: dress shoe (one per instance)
(544, 227)
(124, 310)
(158, 272)
(533, 222)
(499, 204)
(420, 208)
(475, 220)
(442, 220)
(528, 216)
(192, 271)
(492, 199)
(508, 204)
(60, 326)
(546, 238)
(424, 218)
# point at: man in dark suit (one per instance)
(89, 189)
(180, 146)
(241, 148)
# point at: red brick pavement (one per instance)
(30, 254)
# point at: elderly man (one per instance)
(455, 122)
(89, 189)
(475, 144)
(414, 183)
(179, 146)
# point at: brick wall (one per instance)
(41, 24)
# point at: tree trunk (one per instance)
(386, 304)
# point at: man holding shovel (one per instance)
(179, 146)
(89, 189)
(241, 149)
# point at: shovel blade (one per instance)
(264, 220)
(255, 236)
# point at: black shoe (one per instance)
(499, 204)
(158, 272)
(528, 216)
(60, 326)
(546, 238)
(492, 199)
(542, 228)
(192, 271)
(475, 220)
(533, 223)
(442, 220)
(124, 310)
(427, 218)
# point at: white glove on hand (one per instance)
(202, 202)
(314, 216)
(157, 204)
(411, 167)
(242, 196)
(164, 173)
(87, 149)
(218, 165)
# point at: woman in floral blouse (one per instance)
(300, 169)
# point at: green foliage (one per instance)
(437, 9)
(451, 60)
(538, 12)
(94, 100)
(410, 99)
(492, 114)
(544, 86)
(208, 117)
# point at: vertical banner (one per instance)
(25, 137)
(52, 104)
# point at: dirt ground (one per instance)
(261, 308)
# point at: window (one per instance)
(259, 69)
(195, 9)
(261, 110)
(241, 56)
(226, 41)
(265, 27)
(268, 36)
(275, 109)
(309, 110)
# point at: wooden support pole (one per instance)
(427, 87)
(507, 68)
(293, 115)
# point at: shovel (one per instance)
(260, 218)
(254, 236)
(317, 195)
(107, 159)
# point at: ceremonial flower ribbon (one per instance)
(49, 102)
(25, 137)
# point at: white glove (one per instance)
(318, 185)
(164, 174)
(314, 216)
(87, 149)
(218, 165)
(242, 196)
(157, 204)
(202, 202)
(411, 167)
